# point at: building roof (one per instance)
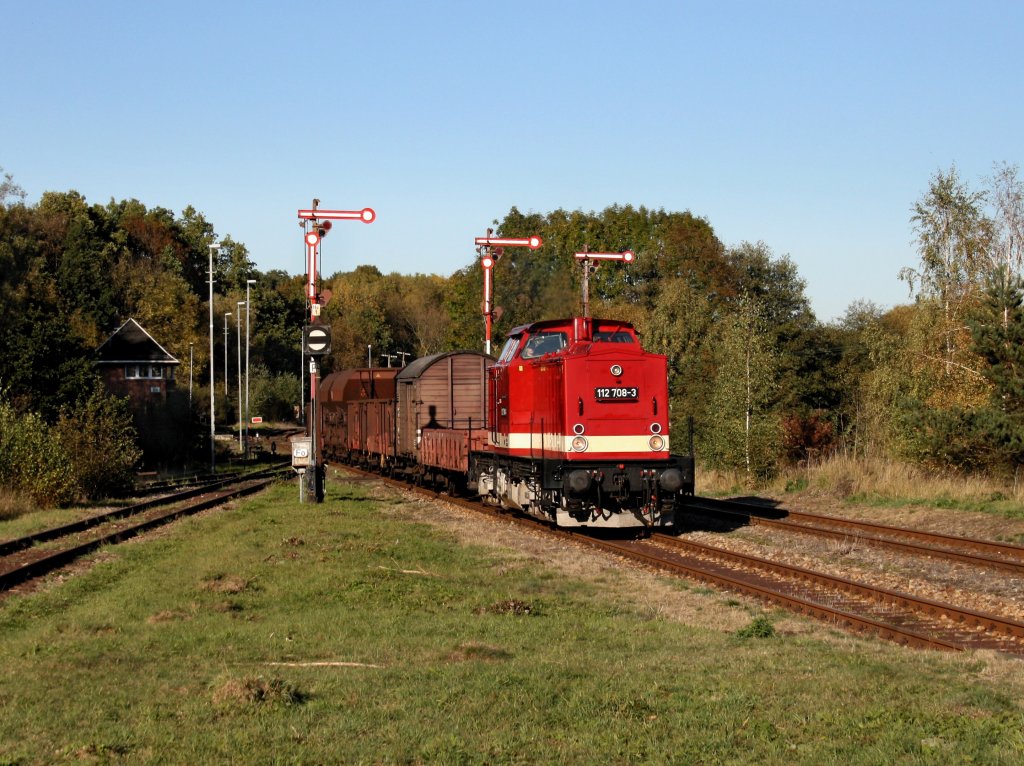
(131, 344)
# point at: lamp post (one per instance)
(302, 381)
(238, 342)
(213, 445)
(191, 346)
(226, 317)
(248, 283)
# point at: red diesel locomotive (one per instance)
(570, 424)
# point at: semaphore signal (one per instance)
(626, 256)
(317, 338)
(490, 249)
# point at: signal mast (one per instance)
(316, 338)
(490, 250)
(586, 259)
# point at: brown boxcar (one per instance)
(445, 391)
(353, 406)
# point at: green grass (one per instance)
(198, 646)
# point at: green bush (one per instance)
(760, 627)
(272, 397)
(31, 461)
(102, 444)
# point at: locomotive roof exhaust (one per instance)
(583, 329)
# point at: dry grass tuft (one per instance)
(225, 584)
(14, 504)
(168, 615)
(255, 690)
(511, 606)
(477, 652)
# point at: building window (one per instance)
(143, 371)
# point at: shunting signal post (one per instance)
(490, 250)
(316, 342)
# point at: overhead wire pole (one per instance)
(490, 250)
(316, 338)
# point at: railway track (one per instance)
(858, 607)
(981, 553)
(26, 558)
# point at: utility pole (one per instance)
(238, 342)
(226, 354)
(248, 283)
(213, 429)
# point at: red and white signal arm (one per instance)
(366, 215)
(531, 242)
(626, 256)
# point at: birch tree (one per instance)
(745, 435)
(953, 237)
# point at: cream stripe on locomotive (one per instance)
(561, 443)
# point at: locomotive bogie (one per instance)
(597, 494)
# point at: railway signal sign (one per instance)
(316, 340)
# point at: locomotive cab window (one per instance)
(613, 336)
(544, 343)
(509, 351)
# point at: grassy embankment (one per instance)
(882, 483)
(348, 633)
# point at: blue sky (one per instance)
(811, 126)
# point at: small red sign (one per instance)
(257, 419)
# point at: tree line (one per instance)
(755, 377)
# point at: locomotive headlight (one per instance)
(657, 443)
(616, 370)
(579, 444)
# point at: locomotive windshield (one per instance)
(613, 336)
(544, 343)
(509, 351)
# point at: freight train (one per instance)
(569, 424)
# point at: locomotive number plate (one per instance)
(617, 394)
